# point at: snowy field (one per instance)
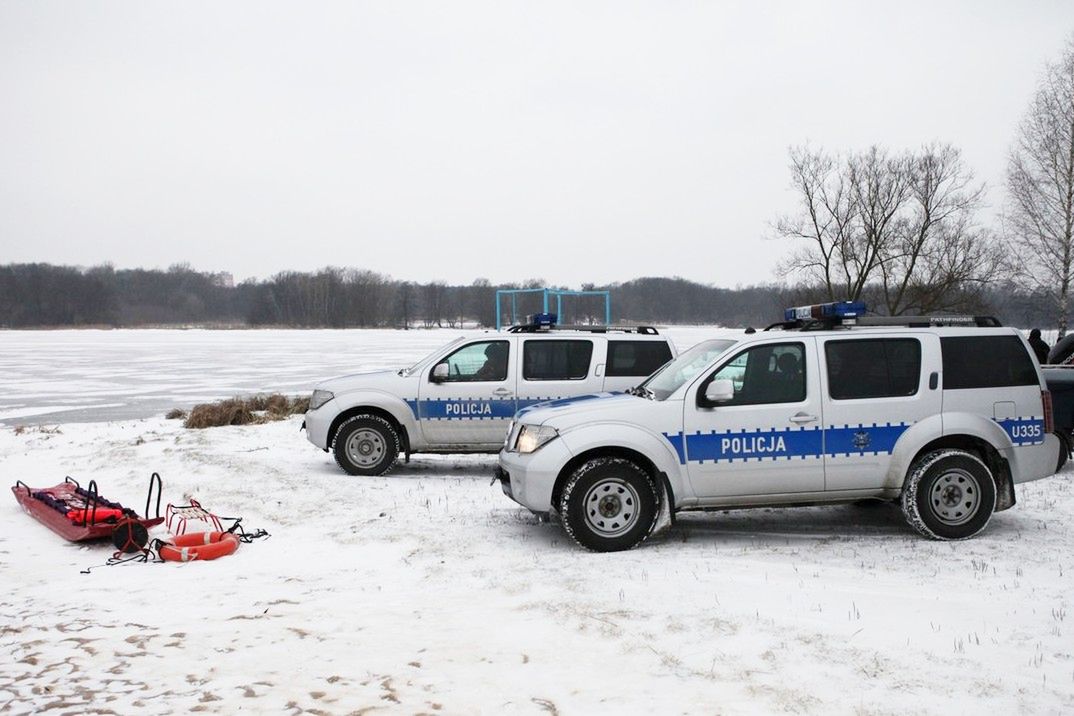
(428, 591)
(96, 375)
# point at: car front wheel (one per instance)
(366, 445)
(608, 504)
(949, 495)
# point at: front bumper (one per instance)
(530, 479)
(317, 424)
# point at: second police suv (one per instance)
(945, 415)
(461, 397)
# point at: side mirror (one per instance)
(719, 391)
(440, 373)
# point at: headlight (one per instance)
(532, 437)
(319, 398)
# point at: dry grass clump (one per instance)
(175, 414)
(43, 429)
(253, 410)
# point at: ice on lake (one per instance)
(101, 375)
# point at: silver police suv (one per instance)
(462, 397)
(945, 415)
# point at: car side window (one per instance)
(986, 362)
(873, 368)
(556, 360)
(478, 362)
(636, 358)
(765, 374)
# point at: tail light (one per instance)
(1049, 421)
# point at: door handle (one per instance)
(501, 392)
(802, 418)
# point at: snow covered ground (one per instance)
(428, 591)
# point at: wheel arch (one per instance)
(983, 449)
(644, 452)
(398, 421)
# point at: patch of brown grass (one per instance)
(252, 410)
(175, 414)
(42, 429)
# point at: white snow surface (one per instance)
(428, 591)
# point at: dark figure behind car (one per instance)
(1039, 346)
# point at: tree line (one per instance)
(44, 295)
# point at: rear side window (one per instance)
(986, 362)
(556, 360)
(636, 358)
(878, 368)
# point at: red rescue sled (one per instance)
(78, 514)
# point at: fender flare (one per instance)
(594, 437)
(397, 408)
(938, 427)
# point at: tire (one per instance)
(609, 504)
(366, 445)
(1064, 449)
(949, 495)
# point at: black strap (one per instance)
(244, 536)
(146, 555)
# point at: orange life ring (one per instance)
(199, 546)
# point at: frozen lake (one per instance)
(98, 375)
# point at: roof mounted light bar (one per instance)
(845, 314)
(822, 311)
(531, 328)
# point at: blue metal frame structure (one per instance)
(546, 294)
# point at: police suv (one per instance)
(462, 397)
(946, 415)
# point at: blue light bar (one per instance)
(545, 320)
(820, 311)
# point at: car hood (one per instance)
(387, 380)
(568, 412)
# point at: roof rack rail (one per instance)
(835, 322)
(530, 328)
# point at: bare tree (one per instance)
(939, 259)
(1040, 182)
(825, 222)
(434, 303)
(900, 229)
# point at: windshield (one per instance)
(668, 379)
(428, 359)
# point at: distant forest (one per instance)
(44, 295)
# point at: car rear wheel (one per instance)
(366, 445)
(608, 504)
(949, 495)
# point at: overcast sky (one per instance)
(574, 141)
